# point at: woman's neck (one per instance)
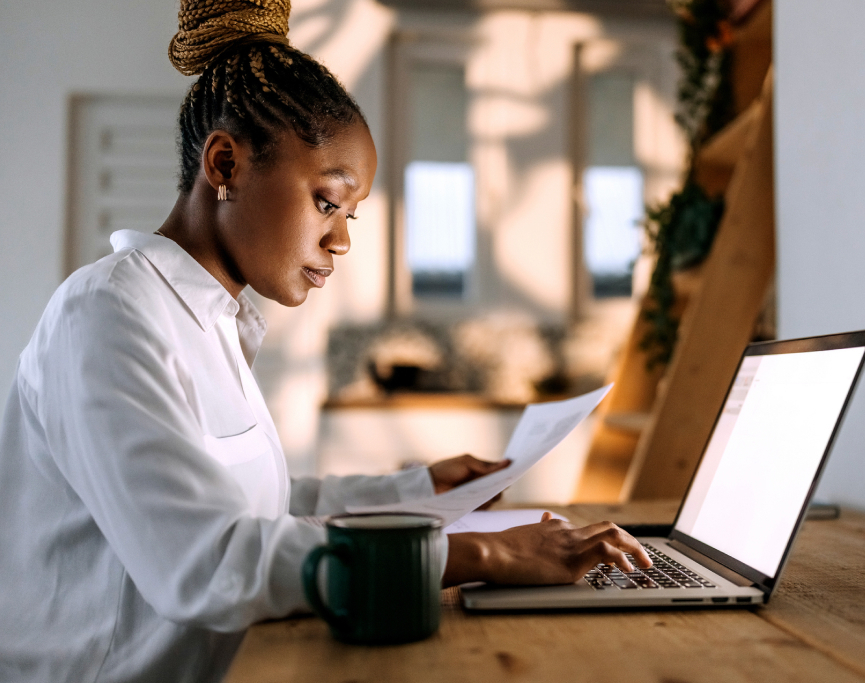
(192, 224)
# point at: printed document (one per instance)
(542, 427)
(489, 521)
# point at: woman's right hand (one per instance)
(551, 552)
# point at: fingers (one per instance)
(610, 554)
(483, 467)
(555, 552)
(622, 541)
(641, 556)
(550, 517)
(627, 543)
(446, 474)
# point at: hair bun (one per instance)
(208, 27)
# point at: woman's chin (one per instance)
(292, 299)
(285, 296)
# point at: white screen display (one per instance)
(764, 452)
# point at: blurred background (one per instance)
(501, 257)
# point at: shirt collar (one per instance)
(203, 295)
(251, 328)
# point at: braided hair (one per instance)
(252, 83)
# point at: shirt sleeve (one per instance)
(118, 418)
(331, 495)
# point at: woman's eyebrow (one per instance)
(343, 175)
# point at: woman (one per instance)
(147, 514)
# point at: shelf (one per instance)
(632, 423)
(429, 401)
(725, 148)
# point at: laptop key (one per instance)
(677, 576)
(665, 573)
(646, 582)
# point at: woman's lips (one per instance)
(316, 276)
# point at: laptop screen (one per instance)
(764, 453)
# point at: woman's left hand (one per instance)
(450, 473)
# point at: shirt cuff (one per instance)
(414, 484)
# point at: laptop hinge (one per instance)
(716, 567)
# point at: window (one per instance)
(440, 226)
(614, 196)
(433, 248)
(439, 184)
(612, 186)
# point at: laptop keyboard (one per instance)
(665, 572)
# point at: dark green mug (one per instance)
(383, 577)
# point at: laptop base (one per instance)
(581, 596)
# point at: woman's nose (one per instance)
(337, 241)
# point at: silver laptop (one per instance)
(748, 496)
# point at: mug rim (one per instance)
(431, 521)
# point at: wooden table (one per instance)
(812, 630)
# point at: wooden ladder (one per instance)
(653, 426)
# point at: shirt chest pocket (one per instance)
(239, 448)
(227, 416)
(249, 457)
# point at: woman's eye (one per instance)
(325, 206)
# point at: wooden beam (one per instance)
(717, 160)
(752, 55)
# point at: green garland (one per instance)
(682, 230)
(705, 89)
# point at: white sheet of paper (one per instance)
(497, 520)
(541, 428)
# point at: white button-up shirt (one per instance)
(146, 514)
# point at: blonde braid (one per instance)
(208, 27)
(253, 84)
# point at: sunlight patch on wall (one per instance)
(532, 246)
(365, 25)
(497, 116)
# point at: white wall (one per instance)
(820, 167)
(49, 50)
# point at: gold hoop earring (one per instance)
(222, 193)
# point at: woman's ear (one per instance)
(219, 158)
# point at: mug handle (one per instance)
(310, 583)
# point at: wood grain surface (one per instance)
(812, 630)
(821, 599)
